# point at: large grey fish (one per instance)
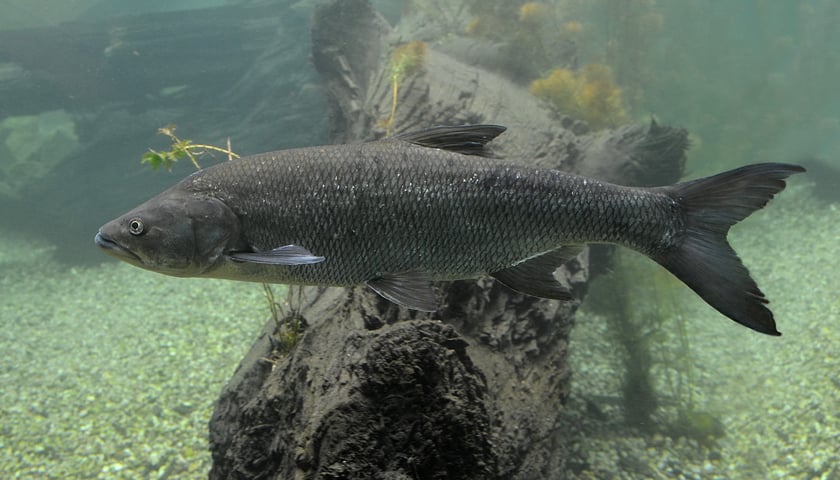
(398, 213)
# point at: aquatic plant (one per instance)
(181, 148)
(406, 60)
(533, 12)
(700, 426)
(639, 397)
(525, 34)
(674, 364)
(652, 336)
(288, 333)
(504, 20)
(289, 323)
(590, 94)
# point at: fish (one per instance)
(402, 212)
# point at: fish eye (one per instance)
(135, 226)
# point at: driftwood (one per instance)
(472, 391)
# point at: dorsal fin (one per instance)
(466, 139)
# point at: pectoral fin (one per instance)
(285, 255)
(535, 276)
(410, 289)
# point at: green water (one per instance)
(108, 371)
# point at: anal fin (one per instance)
(535, 276)
(410, 289)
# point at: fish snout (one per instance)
(109, 246)
(103, 241)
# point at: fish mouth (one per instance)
(114, 249)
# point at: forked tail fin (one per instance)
(703, 259)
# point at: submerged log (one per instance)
(475, 390)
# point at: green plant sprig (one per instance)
(289, 324)
(181, 148)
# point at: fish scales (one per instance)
(393, 206)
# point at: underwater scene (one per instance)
(416, 305)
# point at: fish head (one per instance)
(177, 233)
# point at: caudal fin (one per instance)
(703, 259)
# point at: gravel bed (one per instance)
(111, 372)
